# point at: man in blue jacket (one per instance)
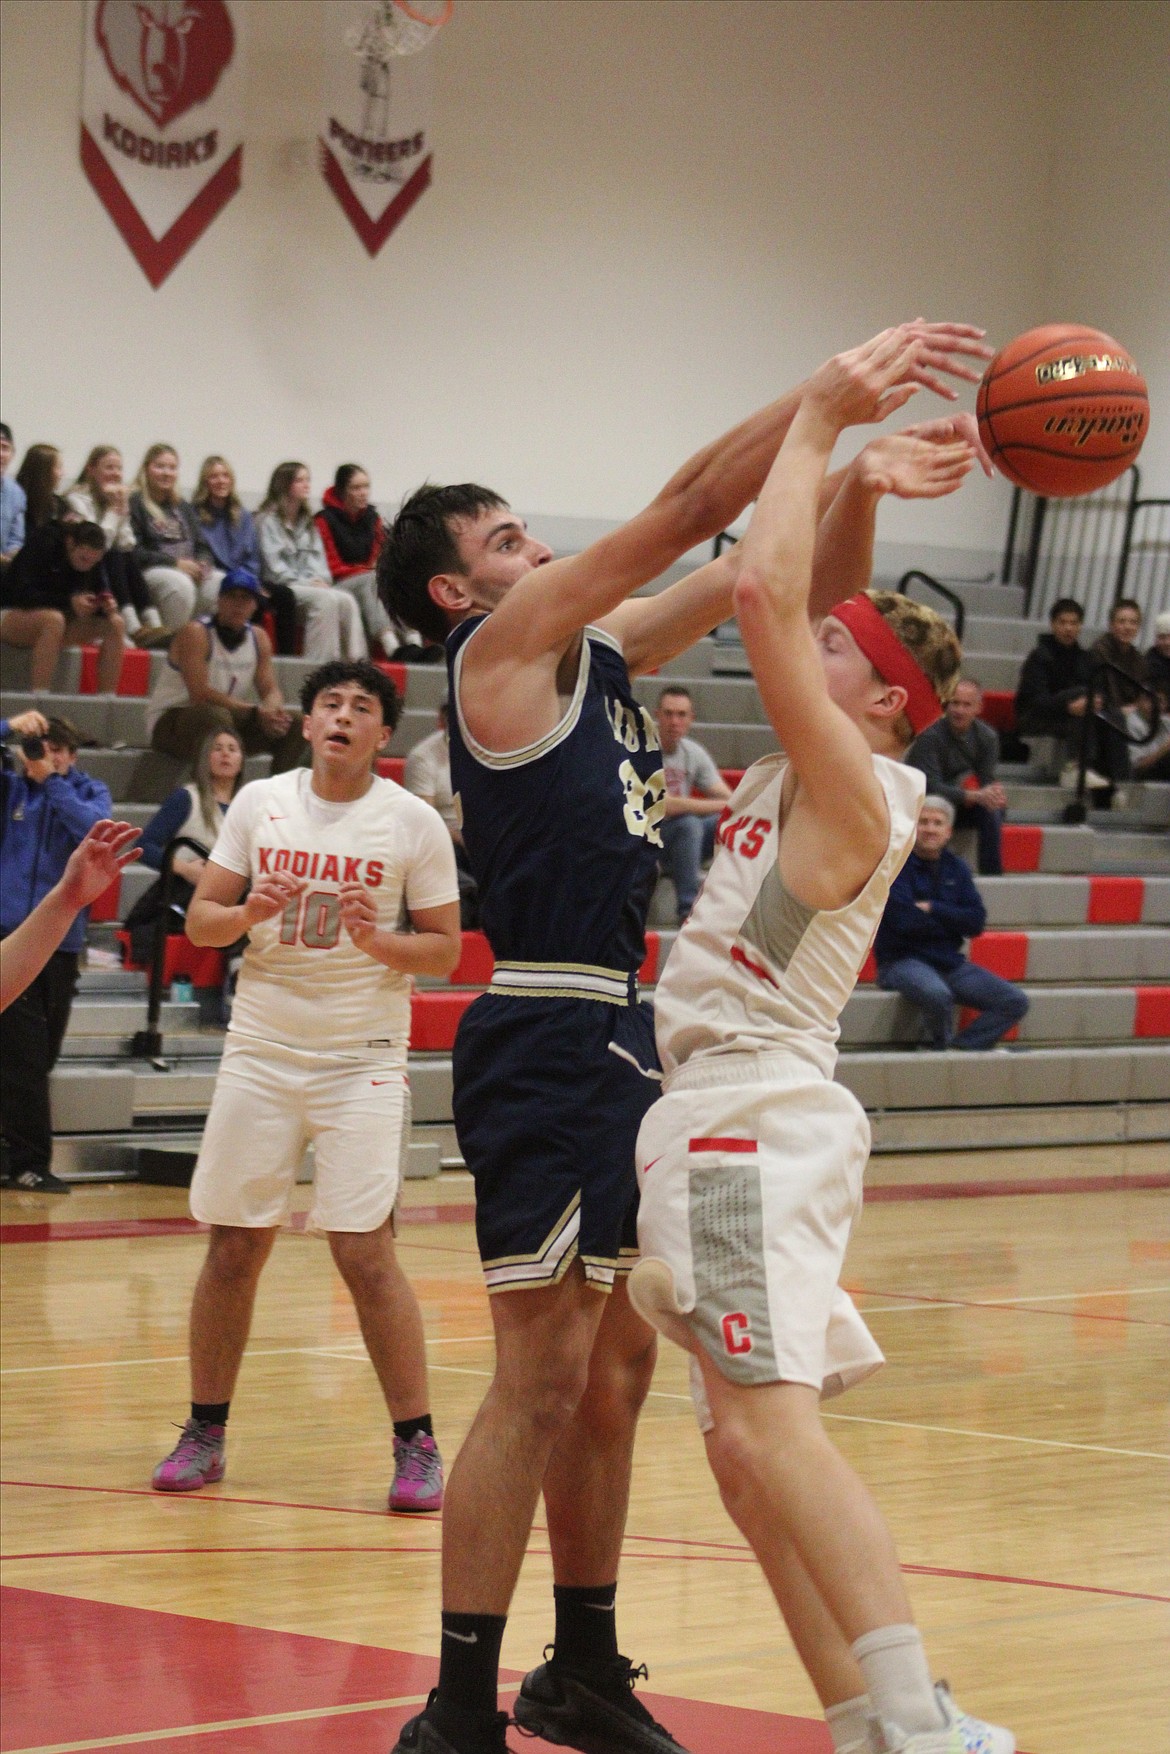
(933, 906)
(48, 808)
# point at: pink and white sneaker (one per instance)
(196, 1460)
(418, 1475)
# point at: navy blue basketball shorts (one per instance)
(549, 1097)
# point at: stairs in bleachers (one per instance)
(1082, 920)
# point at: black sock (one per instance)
(469, 1666)
(586, 1633)
(211, 1412)
(408, 1428)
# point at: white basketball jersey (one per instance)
(230, 671)
(304, 983)
(756, 971)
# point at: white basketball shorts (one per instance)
(269, 1102)
(750, 1174)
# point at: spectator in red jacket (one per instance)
(353, 534)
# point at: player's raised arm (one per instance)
(548, 607)
(840, 802)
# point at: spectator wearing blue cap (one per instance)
(219, 677)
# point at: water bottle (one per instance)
(182, 992)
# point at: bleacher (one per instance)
(1081, 918)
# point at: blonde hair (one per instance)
(201, 498)
(202, 775)
(931, 642)
(142, 485)
(281, 480)
(86, 478)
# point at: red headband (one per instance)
(890, 658)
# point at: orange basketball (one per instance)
(1062, 410)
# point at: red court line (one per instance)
(102, 1229)
(725, 1551)
(1068, 1315)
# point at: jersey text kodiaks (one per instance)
(321, 867)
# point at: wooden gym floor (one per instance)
(1017, 1441)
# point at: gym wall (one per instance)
(647, 218)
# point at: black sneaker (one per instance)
(599, 1715)
(422, 1736)
(40, 1181)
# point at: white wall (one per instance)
(648, 216)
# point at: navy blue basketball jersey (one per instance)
(562, 836)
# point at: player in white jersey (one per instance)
(750, 1164)
(316, 867)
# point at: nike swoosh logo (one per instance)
(646, 1171)
(278, 819)
(377, 1082)
(463, 1637)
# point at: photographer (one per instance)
(48, 808)
(56, 593)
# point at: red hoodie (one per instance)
(352, 545)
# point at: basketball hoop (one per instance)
(412, 24)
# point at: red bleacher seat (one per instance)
(391, 767)
(1023, 843)
(1002, 953)
(106, 906)
(868, 970)
(999, 709)
(434, 1018)
(202, 966)
(648, 973)
(134, 679)
(733, 775)
(396, 672)
(1152, 1012)
(1116, 901)
(474, 968)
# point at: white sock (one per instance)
(849, 1725)
(151, 618)
(898, 1679)
(389, 642)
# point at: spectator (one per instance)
(933, 906)
(176, 561)
(219, 677)
(56, 593)
(100, 496)
(89, 870)
(292, 554)
(695, 795)
(49, 806)
(197, 811)
(198, 808)
(229, 531)
(1053, 691)
(1122, 701)
(40, 475)
(12, 500)
(352, 535)
(959, 755)
(428, 776)
(1158, 659)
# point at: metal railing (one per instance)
(148, 1043)
(1076, 810)
(944, 591)
(1094, 548)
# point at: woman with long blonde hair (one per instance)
(229, 530)
(176, 562)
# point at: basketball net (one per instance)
(411, 24)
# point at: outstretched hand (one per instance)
(912, 466)
(269, 896)
(867, 383)
(97, 860)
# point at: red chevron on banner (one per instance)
(374, 232)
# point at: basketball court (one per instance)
(1016, 1440)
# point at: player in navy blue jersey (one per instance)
(559, 780)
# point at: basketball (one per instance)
(1063, 410)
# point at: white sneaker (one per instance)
(976, 1737)
(1094, 781)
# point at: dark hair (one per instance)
(280, 481)
(1126, 603)
(367, 677)
(419, 544)
(675, 688)
(5, 431)
(35, 475)
(85, 534)
(64, 734)
(344, 476)
(1066, 606)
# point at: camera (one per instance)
(32, 748)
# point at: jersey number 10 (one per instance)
(313, 920)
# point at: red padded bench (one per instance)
(999, 709)
(133, 680)
(203, 967)
(391, 767)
